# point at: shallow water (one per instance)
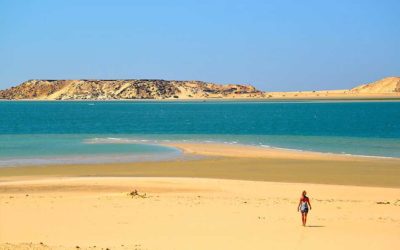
(108, 131)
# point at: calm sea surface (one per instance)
(71, 132)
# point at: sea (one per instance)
(72, 132)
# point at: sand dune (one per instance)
(386, 85)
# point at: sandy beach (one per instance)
(220, 197)
(199, 125)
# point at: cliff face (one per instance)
(125, 89)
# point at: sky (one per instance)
(277, 45)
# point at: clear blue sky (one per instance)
(274, 45)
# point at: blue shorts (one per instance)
(304, 210)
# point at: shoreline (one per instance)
(366, 98)
(237, 162)
(186, 149)
(226, 197)
(260, 151)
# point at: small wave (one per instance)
(328, 153)
(280, 148)
(228, 142)
(369, 156)
(112, 140)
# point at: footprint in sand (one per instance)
(383, 202)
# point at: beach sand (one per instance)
(246, 198)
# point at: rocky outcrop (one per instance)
(126, 89)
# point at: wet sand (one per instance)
(240, 163)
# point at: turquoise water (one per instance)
(51, 132)
(70, 149)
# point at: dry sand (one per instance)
(330, 95)
(63, 207)
(191, 213)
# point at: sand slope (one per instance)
(388, 87)
(385, 85)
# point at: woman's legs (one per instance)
(304, 218)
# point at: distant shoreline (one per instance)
(377, 98)
(127, 89)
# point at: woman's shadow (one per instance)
(315, 226)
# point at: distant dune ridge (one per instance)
(386, 85)
(165, 89)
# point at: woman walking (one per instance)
(303, 206)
